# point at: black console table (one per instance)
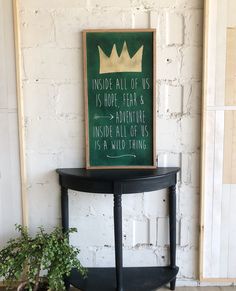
(118, 182)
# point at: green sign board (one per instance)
(119, 73)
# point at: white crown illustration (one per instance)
(122, 63)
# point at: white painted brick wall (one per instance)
(54, 121)
(171, 100)
(174, 29)
(168, 63)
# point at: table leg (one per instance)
(118, 240)
(64, 209)
(172, 221)
(65, 220)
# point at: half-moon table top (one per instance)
(115, 181)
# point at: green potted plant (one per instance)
(25, 258)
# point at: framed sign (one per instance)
(119, 88)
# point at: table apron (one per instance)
(128, 187)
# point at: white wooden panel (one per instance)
(229, 176)
(230, 68)
(10, 196)
(231, 19)
(225, 108)
(7, 63)
(219, 199)
(209, 183)
(211, 54)
(217, 193)
(232, 233)
(224, 240)
(228, 247)
(220, 53)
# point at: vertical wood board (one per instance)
(231, 7)
(209, 184)
(211, 41)
(232, 233)
(217, 243)
(220, 52)
(230, 80)
(224, 240)
(229, 174)
(20, 111)
(10, 185)
(217, 193)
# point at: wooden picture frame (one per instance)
(120, 98)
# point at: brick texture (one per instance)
(54, 122)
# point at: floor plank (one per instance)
(177, 289)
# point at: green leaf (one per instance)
(26, 257)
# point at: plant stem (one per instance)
(37, 278)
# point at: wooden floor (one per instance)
(179, 289)
(203, 289)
